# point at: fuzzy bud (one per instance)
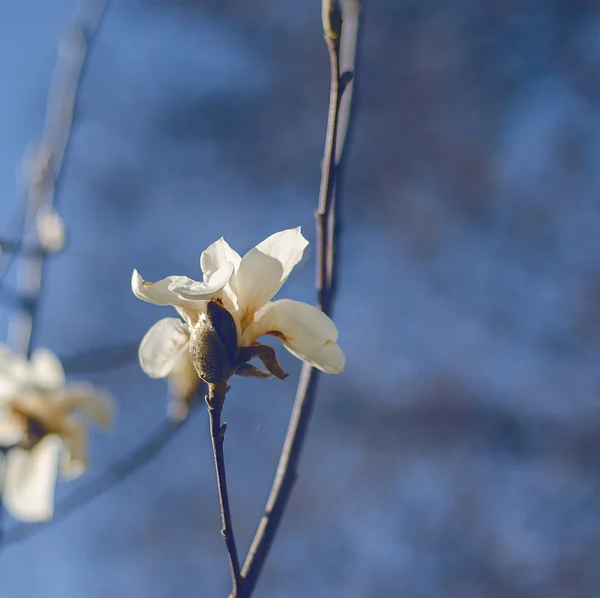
(213, 344)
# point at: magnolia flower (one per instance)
(222, 317)
(39, 430)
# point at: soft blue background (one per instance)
(457, 456)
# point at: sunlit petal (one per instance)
(202, 291)
(265, 268)
(304, 330)
(216, 256)
(158, 292)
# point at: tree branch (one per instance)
(113, 475)
(341, 41)
(214, 402)
(47, 161)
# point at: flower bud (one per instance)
(213, 344)
(51, 231)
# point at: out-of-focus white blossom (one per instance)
(51, 231)
(38, 420)
(244, 287)
(183, 384)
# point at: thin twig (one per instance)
(338, 42)
(47, 162)
(112, 476)
(214, 402)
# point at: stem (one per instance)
(48, 162)
(214, 402)
(287, 468)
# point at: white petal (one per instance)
(15, 372)
(11, 427)
(74, 459)
(305, 331)
(47, 370)
(202, 291)
(91, 401)
(161, 345)
(265, 268)
(156, 292)
(29, 480)
(216, 256)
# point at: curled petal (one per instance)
(216, 256)
(29, 480)
(161, 346)
(47, 370)
(154, 292)
(187, 288)
(90, 401)
(265, 268)
(305, 331)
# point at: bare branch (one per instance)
(340, 41)
(214, 402)
(47, 161)
(115, 474)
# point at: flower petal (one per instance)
(11, 427)
(305, 331)
(91, 401)
(161, 346)
(202, 291)
(15, 372)
(47, 370)
(158, 292)
(29, 480)
(216, 256)
(265, 268)
(74, 460)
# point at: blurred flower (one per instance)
(231, 308)
(51, 231)
(38, 428)
(183, 384)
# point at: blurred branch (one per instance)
(107, 480)
(340, 26)
(214, 402)
(45, 165)
(100, 359)
(7, 247)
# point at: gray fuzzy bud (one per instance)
(213, 344)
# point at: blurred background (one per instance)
(458, 455)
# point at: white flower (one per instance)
(37, 420)
(244, 287)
